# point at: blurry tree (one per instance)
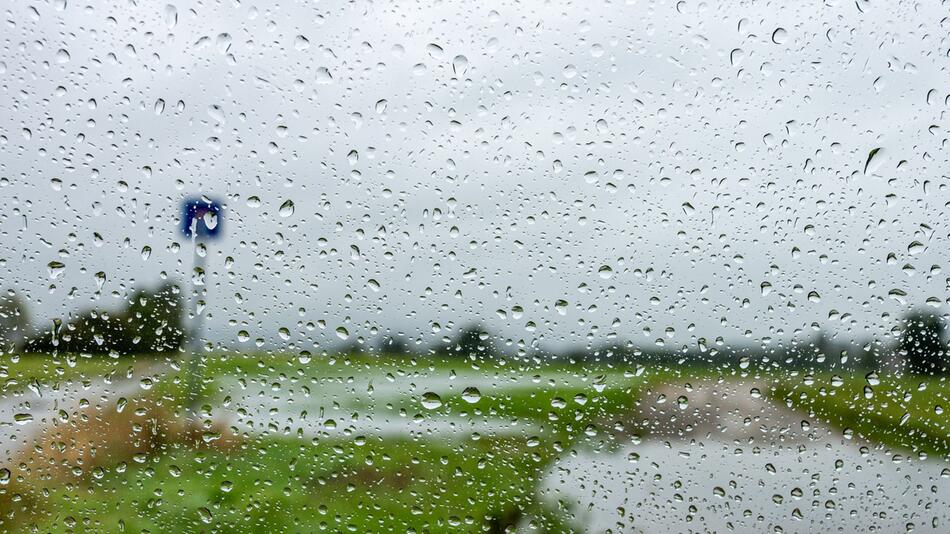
(826, 349)
(870, 358)
(394, 345)
(351, 348)
(151, 322)
(472, 341)
(154, 320)
(13, 320)
(922, 345)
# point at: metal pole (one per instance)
(193, 346)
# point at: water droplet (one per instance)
(301, 43)
(434, 50)
(431, 401)
(55, 268)
(171, 16)
(286, 209)
(736, 57)
(779, 36)
(23, 418)
(323, 76)
(471, 395)
(459, 65)
(875, 160)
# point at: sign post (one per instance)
(201, 222)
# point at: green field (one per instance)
(273, 482)
(286, 485)
(145, 469)
(905, 412)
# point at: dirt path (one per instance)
(25, 413)
(725, 411)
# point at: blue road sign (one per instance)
(204, 216)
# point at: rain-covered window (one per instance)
(448, 266)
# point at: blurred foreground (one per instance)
(394, 443)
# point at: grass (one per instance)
(272, 482)
(287, 485)
(463, 482)
(907, 412)
(32, 370)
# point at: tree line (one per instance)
(153, 321)
(150, 321)
(921, 349)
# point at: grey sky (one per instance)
(484, 158)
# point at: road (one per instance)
(728, 460)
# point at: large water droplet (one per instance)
(55, 268)
(460, 65)
(286, 209)
(779, 36)
(431, 401)
(471, 395)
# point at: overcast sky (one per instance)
(562, 172)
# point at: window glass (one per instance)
(447, 266)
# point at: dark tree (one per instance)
(922, 344)
(351, 348)
(394, 345)
(151, 322)
(153, 319)
(472, 341)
